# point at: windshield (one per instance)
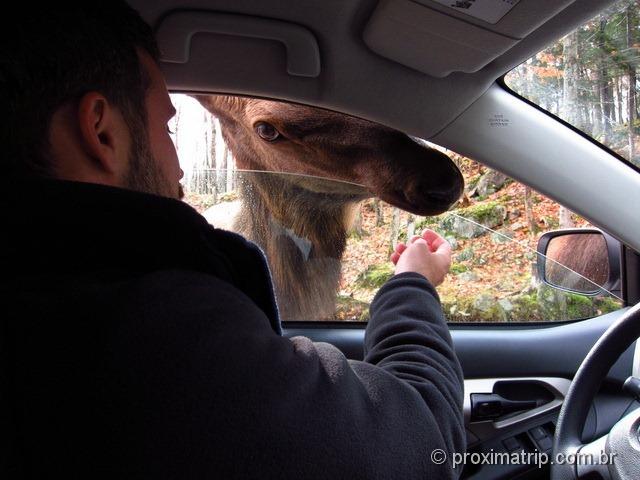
(589, 78)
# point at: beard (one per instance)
(144, 175)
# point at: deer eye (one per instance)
(267, 131)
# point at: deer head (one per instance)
(377, 161)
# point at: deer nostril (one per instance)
(438, 197)
(421, 194)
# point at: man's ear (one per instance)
(104, 134)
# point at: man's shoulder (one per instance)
(174, 291)
(172, 279)
(181, 311)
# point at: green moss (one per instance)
(458, 309)
(526, 308)
(375, 276)
(551, 221)
(466, 254)
(480, 211)
(420, 226)
(356, 234)
(552, 303)
(473, 181)
(457, 268)
(489, 214)
(536, 305)
(494, 314)
(427, 222)
(607, 304)
(579, 306)
(487, 309)
(474, 309)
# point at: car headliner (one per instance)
(352, 77)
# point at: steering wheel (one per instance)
(622, 443)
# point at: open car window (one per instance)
(328, 236)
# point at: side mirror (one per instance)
(584, 261)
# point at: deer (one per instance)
(297, 213)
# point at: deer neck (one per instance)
(303, 235)
(316, 222)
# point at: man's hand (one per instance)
(429, 255)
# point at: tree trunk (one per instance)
(357, 229)
(604, 86)
(570, 105)
(212, 174)
(596, 109)
(621, 103)
(231, 170)
(395, 228)
(528, 211)
(586, 123)
(411, 226)
(222, 171)
(379, 212)
(631, 85)
(177, 127)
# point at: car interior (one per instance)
(434, 69)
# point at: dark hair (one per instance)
(54, 54)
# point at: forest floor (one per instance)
(491, 274)
(488, 263)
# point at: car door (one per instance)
(530, 364)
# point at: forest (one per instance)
(589, 79)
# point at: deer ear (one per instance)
(219, 105)
(104, 134)
(207, 101)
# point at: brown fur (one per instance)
(585, 254)
(278, 209)
(305, 285)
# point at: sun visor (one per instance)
(442, 37)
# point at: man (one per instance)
(139, 342)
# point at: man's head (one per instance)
(82, 98)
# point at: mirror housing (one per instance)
(592, 255)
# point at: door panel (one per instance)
(490, 352)
(533, 357)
